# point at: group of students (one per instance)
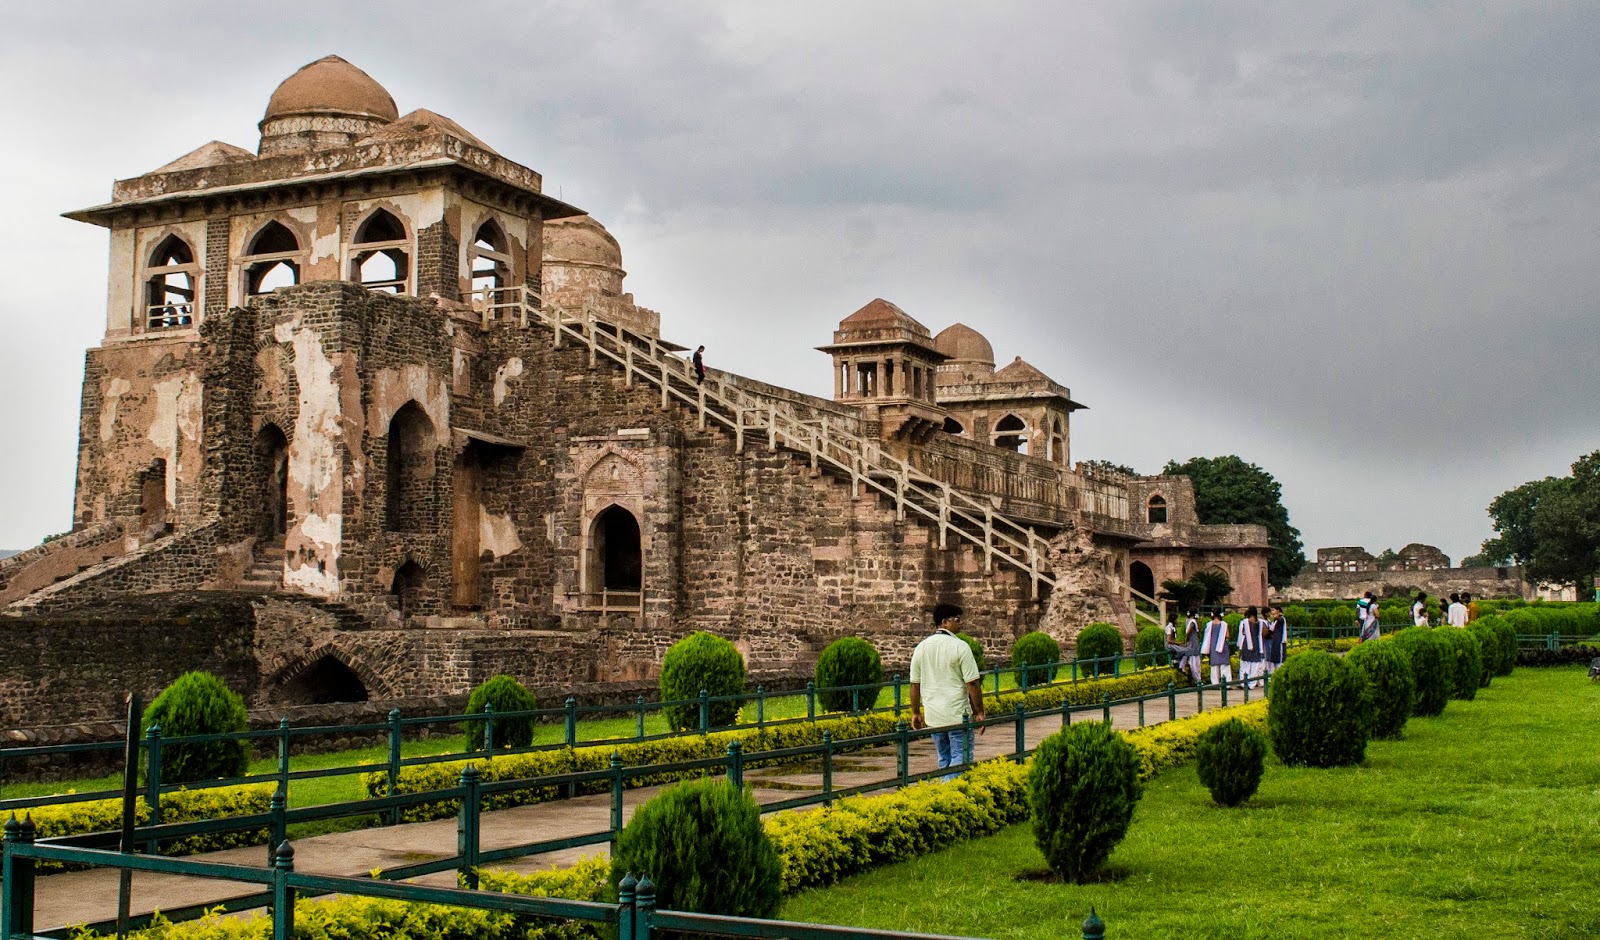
(1458, 613)
(1261, 643)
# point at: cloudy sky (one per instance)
(1357, 245)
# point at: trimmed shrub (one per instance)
(1320, 711)
(1433, 673)
(1394, 686)
(975, 646)
(1507, 635)
(1035, 655)
(1468, 662)
(1488, 650)
(1342, 617)
(1098, 641)
(1230, 758)
(1296, 616)
(703, 845)
(505, 694)
(1320, 620)
(199, 703)
(1082, 790)
(700, 662)
(848, 661)
(1151, 639)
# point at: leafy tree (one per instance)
(1187, 595)
(1513, 512)
(1551, 526)
(1228, 490)
(1215, 585)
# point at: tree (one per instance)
(1107, 467)
(1215, 585)
(1513, 512)
(1187, 595)
(1551, 526)
(1228, 490)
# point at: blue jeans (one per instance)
(953, 747)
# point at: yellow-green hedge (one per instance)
(446, 774)
(70, 819)
(1172, 743)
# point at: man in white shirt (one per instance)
(1457, 616)
(945, 689)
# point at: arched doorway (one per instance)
(153, 495)
(1142, 579)
(272, 469)
(616, 562)
(324, 682)
(406, 588)
(407, 469)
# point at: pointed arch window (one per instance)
(1156, 510)
(1058, 442)
(171, 276)
(380, 258)
(489, 261)
(272, 260)
(1011, 433)
(952, 426)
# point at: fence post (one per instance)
(394, 762)
(488, 729)
(1172, 701)
(1022, 732)
(1225, 693)
(966, 739)
(1105, 703)
(283, 754)
(571, 706)
(1116, 667)
(1022, 678)
(1066, 714)
(736, 764)
(152, 779)
(277, 806)
(625, 901)
(283, 894)
(811, 701)
(644, 909)
(467, 827)
(902, 755)
(761, 708)
(639, 704)
(17, 916)
(855, 700)
(705, 711)
(1093, 927)
(616, 799)
(827, 768)
(1141, 711)
(897, 695)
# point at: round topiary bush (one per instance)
(1296, 616)
(1230, 758)
(1082, 789)
(1394, 686)
(1342, 617)
(1150, 640)
(1035, 655)
(1507, 635)
(199, 703)
(1099, 641)
(1468, 662)
(1320, 622)
(1433, 673)
(1320, 711)
(506, 695)
(703, 845)
(701, 662)
(848, 661)
(975, 646)
(1488, 649)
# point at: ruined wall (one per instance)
(1479, 582)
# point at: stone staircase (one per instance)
(755, 419)
(265, 573)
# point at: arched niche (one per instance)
(408, 469)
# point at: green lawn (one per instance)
(1484, 822)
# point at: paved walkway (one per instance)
(89, 896)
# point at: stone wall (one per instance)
(1479, 582)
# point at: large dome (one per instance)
(580, 240)
(331, 85)
(962, 343)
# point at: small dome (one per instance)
(331, 85)
(422, 122)
(580, 239)
(962, 343)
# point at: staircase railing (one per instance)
(750, 415)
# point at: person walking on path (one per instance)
(1457, 615)
(1419, 610)
(1367, 610)
(1249, 648)
(1191, 646)
(1215, 645)
(945, 689)
(700, 365)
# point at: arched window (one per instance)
(1012, 434)
(170, 278)
(952, 426)
(379, 259)
(153, 495)
(1142, 579)
(408, 470)
(489, 260)
(406, 588)
(1058, 442)
(272, 468)
(1157, 510)
(272, 260)
(615, 560)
